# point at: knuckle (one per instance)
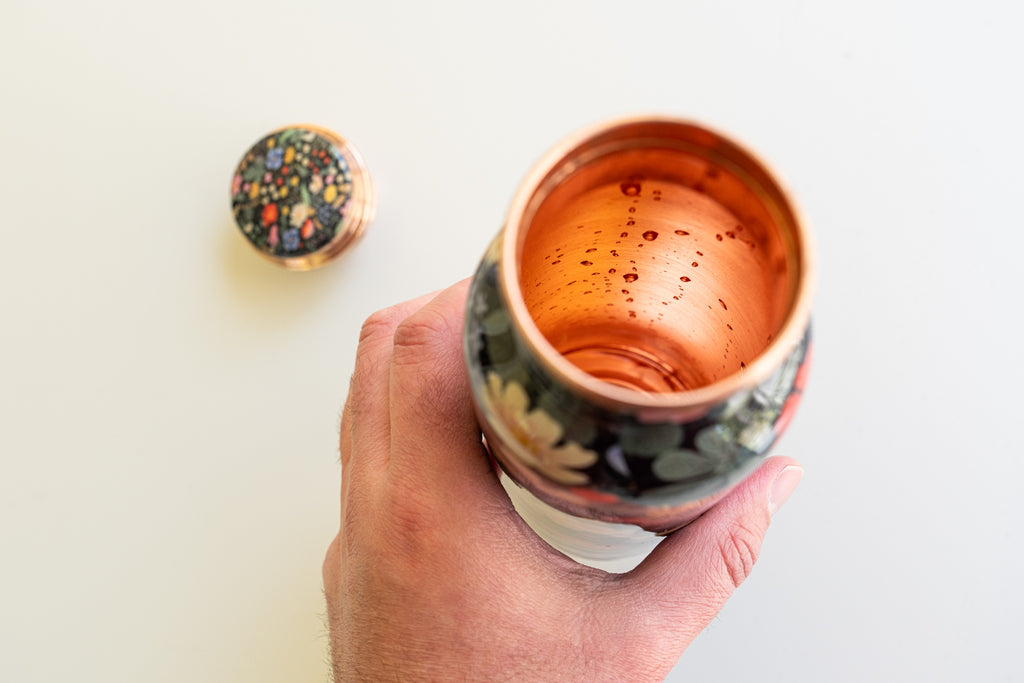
(374, 346)
(379, 327)
(413, 528)
(739, 549)
(416, 338)
(331, 565)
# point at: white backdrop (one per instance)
(169, 402)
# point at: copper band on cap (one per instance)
(301, 196)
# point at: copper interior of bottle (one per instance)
(659, 259)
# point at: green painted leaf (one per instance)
(255, 171)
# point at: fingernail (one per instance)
(784, 485)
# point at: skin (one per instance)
(433, 575)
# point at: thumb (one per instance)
(696, 569)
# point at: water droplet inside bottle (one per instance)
(630, 277)
(650, 235)
(630, 188)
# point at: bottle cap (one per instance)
(301, 195)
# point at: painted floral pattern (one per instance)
(537, 433)
(606, 456)
(290, 191)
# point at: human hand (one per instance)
(433, 575)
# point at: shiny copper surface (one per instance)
(658, 265)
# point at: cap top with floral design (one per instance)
(301, 195)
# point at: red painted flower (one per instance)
(307, 229)
(269, 214)
(595, 496)
(788, 410)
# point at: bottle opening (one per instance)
(659, 258)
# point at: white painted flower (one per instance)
(300, 212)
(538, 433)
(758, 436)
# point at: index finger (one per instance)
(365, 429)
